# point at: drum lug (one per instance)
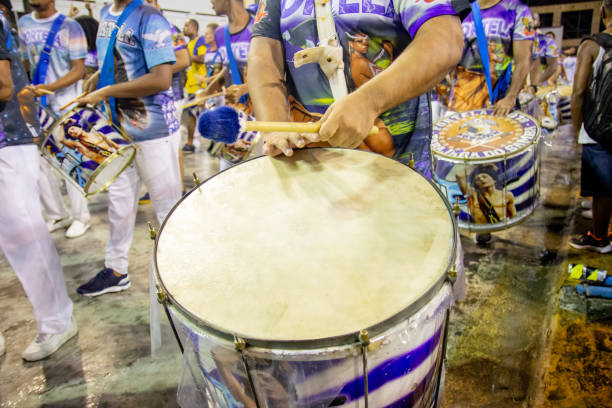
(196, 180)
(452, 274)
(239, 344)
(152, 232)
(161, 296)
(456, 207)
(411, 161)
(364, 338)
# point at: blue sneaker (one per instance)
(145, 199)
(104, 282)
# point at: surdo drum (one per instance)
(312, 281)
(86, 148)
(488, 166)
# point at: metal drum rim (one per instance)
(105, 163)
(488, 159)
(310, 344)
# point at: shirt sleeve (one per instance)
(77, 44)
(523, 24)
(200, 46)
(219, 41)
(413, 14)
(156, 39)
(267, 20)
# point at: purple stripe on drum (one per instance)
(422, 389)
(385, 372)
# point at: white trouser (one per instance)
(26, 242)
(51, 196)
(156, 164)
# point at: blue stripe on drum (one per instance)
(419, 391)
(386, 372)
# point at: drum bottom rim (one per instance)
(104, 165)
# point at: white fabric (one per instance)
(51, 197)
(570, 64)
(26, 242)
(156, 164)
(583, 136)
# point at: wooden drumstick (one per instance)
(197, 101)
(297, 127)
(72, 101)
(46, 92)
(214, 78)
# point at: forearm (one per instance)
(576, 108)
(437, 47)
(75, 74)
(266, 81)
(197, 58)
(6, 81)
(551, 68)
(182, 61)
(518, 79)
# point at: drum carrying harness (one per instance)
(236, 77)
(40, 74)
(107, 73)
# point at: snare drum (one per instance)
(87, 149)
(311, 281)
(488, 166)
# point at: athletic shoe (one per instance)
(46, 344)
(588, 214)
(586, 204)
(104, 282)
(77, 228)
(483, 239)
(145, 199)
(588, 241)
(189, 148)
(54, 225)
(2, 346)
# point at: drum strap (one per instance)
(40, 74)
(483, 47)
(236, 77)
(107, 73)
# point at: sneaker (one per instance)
(104, 282)
(589, 241)
(54, 225)
(189, 148)
(483, 239)
(2, 346)
(77, 228)
(145, 199)
(588, 214)
(46, 344)
(586, 204)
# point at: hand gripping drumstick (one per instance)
(72, 101)
(197, 101)
(225, 124)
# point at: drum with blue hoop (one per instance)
(317, 280)
(488, 166)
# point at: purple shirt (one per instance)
(239, 43)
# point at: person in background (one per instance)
(24, 238)
(569, 63)
(63, 76)
(544, 49)
(90, 28)
(596, 167)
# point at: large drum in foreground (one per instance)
(86, 148)
(488, 166)
(312, 281)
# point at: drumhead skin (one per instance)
(319, 245)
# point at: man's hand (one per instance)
(90, 84)
(347, 122)
(276, 143)
(94, 97)
(234, 93)
(38, 90)
(504, 106)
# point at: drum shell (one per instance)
(87, 175)
(404, 366)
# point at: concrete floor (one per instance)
(510, 344)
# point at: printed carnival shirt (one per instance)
(505, 22)
(69, 44)
(239, 43)
(544, 46)
(372, 34)
(143, 41)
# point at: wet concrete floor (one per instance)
(515, 341)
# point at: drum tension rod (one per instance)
(456, 207)
(196, 180)
(364, 339)
(240, 346)
(152, 232)
(452, 275)
(411, 161)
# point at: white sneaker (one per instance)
(2, 346)
(77, 228)
(46, 344)
(54, 225)
(588, 214)
(588, 204)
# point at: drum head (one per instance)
(320, 245)
(478, 135)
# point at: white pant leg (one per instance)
(50, 195)
(79, 204)
(158, 166)
(122, 209)
(26, 241)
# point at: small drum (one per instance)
(488, 166)
(312, 281)
(87, 149)
(46, 119)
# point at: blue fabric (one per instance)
(503, 83)
(107, 73)
(236, 78)
(212, 65)
(45, 56)
(483, 47)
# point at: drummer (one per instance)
(508, 28)
(144, 55)
(62, 76)
(408, 59)
(544, 47)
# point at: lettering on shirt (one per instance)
(380, 7)
(124, 36)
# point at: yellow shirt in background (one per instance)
(195, 47)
